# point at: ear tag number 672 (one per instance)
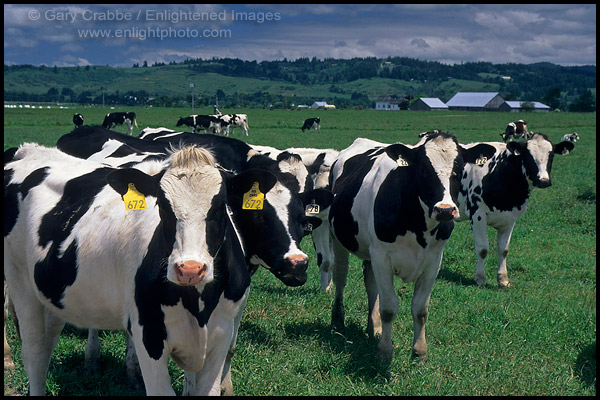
(133, 199)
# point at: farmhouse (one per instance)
(319, 104)
(428, 104)
(475, 101)
(389, 103)
(520, 106)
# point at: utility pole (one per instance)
(192, 86)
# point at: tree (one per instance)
(552, 98)
(584, 103)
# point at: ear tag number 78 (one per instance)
(133, 199)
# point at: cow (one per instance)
(77, 120)
(314, 123)
(516, 130)
(318, 164)
(197, 122)
(119, 118)
(171, 274)
(570, 137)
(495, 190)
(230, 121)
(271, 237)
(394, 208)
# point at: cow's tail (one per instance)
(135, 122)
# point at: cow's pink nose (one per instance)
(444, 212)
(298, 261)
(190, 272)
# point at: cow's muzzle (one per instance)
(445, 212)
(295, 272)
(543, 183)
(190, 273)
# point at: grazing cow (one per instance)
(78, 120)
(197, 122)
(171, 274)
(314, 123)
(495, 190)
(516, 130)
(119, 118)
(230, 121)
(394, 208)
(570, 137)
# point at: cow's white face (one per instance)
(541, 155)
(195, 202)
(443, 153)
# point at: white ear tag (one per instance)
(481, 160)
(401, 162)
(312, 209)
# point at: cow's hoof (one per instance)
(480, 281)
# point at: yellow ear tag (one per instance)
(254, 199)
(401, 162)
(481, 160)
(133, 199)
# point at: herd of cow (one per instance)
(159, 235)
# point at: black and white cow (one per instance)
(77, 120)
(570, 137)
(197, 122)
(271, 237)
(394, 208)
(495, 190)
(172, 274)
(516, 130)
(226, 122)
(318, 164)
(119, 118)
(314, 123)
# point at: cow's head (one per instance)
(181, 121)
(536, 155)
(437, 162)
(192, 203)
(272, 233)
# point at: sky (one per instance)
(122, 35)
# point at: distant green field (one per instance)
(536, 338)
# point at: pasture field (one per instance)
(536, 338)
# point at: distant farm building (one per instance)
(475, 101)
(523, 106)
(319, 104)
(428, 104)
(389, 104)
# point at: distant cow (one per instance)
(119, 118)
(172, 274)
(314, 123)
(495, 190)
(77, 120)
(516, 130)
(570, 137)
(394, 208)
(230, 121)
(197, 122)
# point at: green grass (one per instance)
(536, 338)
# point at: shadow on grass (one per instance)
(455, 277)
(585, 366)
(352, 343)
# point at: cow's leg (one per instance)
(8, 362)
(155, 372)
(322, 244)
(92, 352)
(388, 307)
(226, 383)
(503, 243)
(340, 276)
(132, 364)
(482, 245)
(374, 319)
(420, 306)
(129, 127)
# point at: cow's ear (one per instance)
(321, 197)
(400, 152)
(563, 148)
(515, 147)
(242, 183)
(478, 153)
(146, 184)
(287, 156)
